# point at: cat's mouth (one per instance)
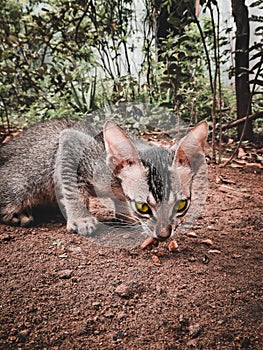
(169, 230)
(162, 236)
(154, 241)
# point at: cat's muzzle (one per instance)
(165, 233)
(169, 230)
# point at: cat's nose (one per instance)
(165, 233)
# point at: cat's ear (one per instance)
(121, 152)
(192, 145)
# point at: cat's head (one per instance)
(156, 181)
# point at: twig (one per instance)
(246, 118)
(241, 120)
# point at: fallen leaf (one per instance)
(149, 243)
(191, 234)
(173, 246)
(207, 241)
(214, 251)
(156, 260)
(241, 153)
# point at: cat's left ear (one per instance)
(192, 145)
(121, 152)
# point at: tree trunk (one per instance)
(243, 95)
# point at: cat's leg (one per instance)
(15, 197)
(72, 144)
(16, 215)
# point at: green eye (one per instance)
(143, 208)
(181, 205)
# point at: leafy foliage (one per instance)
(62, 58)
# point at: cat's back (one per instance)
(40, 135)
(30, 156)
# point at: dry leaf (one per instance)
(156, 260)
(241, 153)
(149, 242)
(7, 139)
(173, 246)
(191, 234)
(214, 251)
(207, 241)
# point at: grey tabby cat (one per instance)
(65, 161)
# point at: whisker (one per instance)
(120, 223)
(126, 216)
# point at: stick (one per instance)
(242, 120)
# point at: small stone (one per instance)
(24, 333)
(121, 315)
(221, 322)
(194, 330)
(65, 274)
(101, 253)
(109, 314)
(6, 237)
(159, 289)
(12, 338)
(181, 318)
(119, 335)
(75, 249)
(205, 259)
(123, 290)
(13, 331)
(192, 259)
(96, 305)
(192, 343)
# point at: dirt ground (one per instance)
(61, 291)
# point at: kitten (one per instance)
(65, 161)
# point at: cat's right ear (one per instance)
(121, 153)
(191, 146)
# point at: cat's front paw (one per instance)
(83, 226)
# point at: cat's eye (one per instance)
(143, 208)
(181, 205)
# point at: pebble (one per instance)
(109, 314)
(121, 315)
(220, 322)
(65, 274)
(192, 343)
(195, 330)
(24, 333)
(119, 335)
(192, 259)
(123, 290)
(75, 249)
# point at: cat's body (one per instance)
(67, 162)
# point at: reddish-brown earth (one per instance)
(61, 291)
